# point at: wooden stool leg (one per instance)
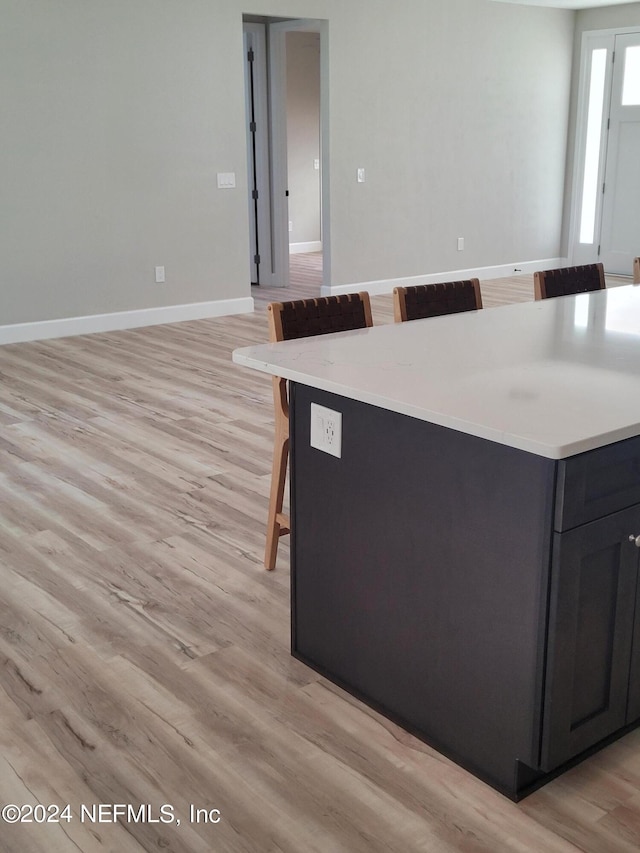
(276, 523)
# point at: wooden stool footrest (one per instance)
(284, 523)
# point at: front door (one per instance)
(620, 230)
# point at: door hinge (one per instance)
(598, 251)
(603, 186)
(254, 194)
(613, 57)
(250, 55)
(256, 259)
(608, 123)
(252, 126)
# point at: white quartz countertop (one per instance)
(554, 378)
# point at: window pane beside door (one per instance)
(592, 152)
(631, 83)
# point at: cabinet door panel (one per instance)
(593, 590)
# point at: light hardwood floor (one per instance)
(144, 651)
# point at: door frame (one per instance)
(255, 36)
(584, 253)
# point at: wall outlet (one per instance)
(159, 275)
(326, 430)
(290, 226)
(460, 243)
(316, 165)
(361, 176)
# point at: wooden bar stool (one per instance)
(434, 300)
(568, 280)
(300, 319)
(636, 270)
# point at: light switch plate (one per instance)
(226, 180)
(361, 176)
(326, 430)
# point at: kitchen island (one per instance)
(468, 564)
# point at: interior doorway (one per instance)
(606, 210)
(287, 147)
(303, 142)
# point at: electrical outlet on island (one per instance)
(326, 430)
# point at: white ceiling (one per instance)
(569, 4)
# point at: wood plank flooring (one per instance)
(144, 651)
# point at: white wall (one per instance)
(119, 114)
(303, 135)
(458, 110)
(115, 123)
(608, 17)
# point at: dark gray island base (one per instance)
(483, 597)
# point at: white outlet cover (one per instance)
(226, 180)
(326, 430)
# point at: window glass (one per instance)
(592, 153)
(631, 82)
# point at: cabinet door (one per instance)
(591, 615)
(633, 706)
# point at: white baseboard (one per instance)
(387, 285)
(66, 327)
(303, 248)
